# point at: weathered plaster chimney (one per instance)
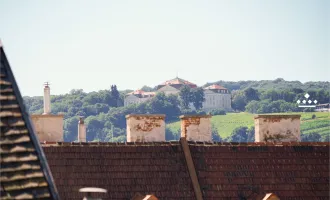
(47, 99)
(196, 127)
(49, 127)
(277, 128)
(81, 130)
(145, 128)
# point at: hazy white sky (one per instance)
(90, 45)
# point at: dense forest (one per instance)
(105, 115)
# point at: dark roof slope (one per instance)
(291, 171)
(24, 171)
(123, 170)
(224, 170)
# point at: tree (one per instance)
(197, 97)
(312, 137)
(239, 134)
(185, 96)
(147, 88)
(171, 134)
(115, 96)
(217, 112)
(215, 134)
(162, 104)
(92, 98)
(252, 106)
(71, 129)
(251, 134)
(239, 101)
(251, 94)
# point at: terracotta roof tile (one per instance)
(122, 169)
(215, 87)
(225, 170)
(177, 82)
(289, 170)
(142, 94)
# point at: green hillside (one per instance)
(227, 123)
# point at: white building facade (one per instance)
(216, 97)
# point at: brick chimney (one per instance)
(46, 99)
(196, 127)
(81, 130)
(277, 128)
(145, 128)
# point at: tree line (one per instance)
(105, 115)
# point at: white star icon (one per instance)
(315, 101)
(309, 101)
(307, 95)
(298, 102)
(304, 101)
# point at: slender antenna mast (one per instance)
(47, 84)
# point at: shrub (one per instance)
(192, 112)
(218, 112)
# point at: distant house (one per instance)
(323, 107)
(216, 96)
(138, 96)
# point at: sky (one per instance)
(90, 45)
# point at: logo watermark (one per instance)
(307, 102)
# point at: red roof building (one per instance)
(217, 88)
(177, 83)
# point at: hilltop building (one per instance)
(216, 96)
(138, 96)
(173, 86)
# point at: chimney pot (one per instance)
(81, 130)
(81, 120)
(277, 128)
(47, 108)
(196, 127)
(145, 128)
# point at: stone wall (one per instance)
(48, 127)
(145, 128)
(277, 128)
(196, 127)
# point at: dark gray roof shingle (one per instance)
(24, 172)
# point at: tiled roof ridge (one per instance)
(180, 80)
(192, 143)
(224, 169)
(215, 86)
(111, 143)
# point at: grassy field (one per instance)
(227, 123)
